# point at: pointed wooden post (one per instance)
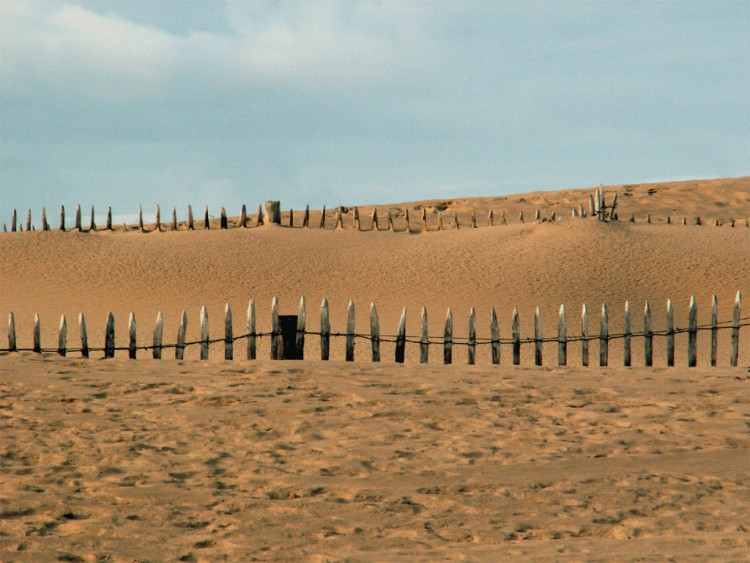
(684, 220)
(204, 333)
(612, 214)
(323, 218)
(574, 213)
(472, 337)
(520, 217)
(37, 334)
(174, 218)
(140, 219)
(291, 218)
(448, 338)
(191, 222)
(276, 341)
(424, 221)
(490, 219)
(158, 334)
(494, 337)
(260, 216)
(224, 222)
(562, 338)
(375, 333)
(584, 336)
(714, 329)
(390, 221)
(28, 220)
(592, 206)
(648, 218)
(131, 340)
(243, 216)
(440, 221)
(206, 220)
(228, 336)
(692, 332)
(632, 218)
(374, 225)
(12, 346)
(401, 338)
(109, 218)
(516, 335)
(669, 220)
(424, 341)
(670, 334)
(157, 226)
(648, 337)
(356, 219)
(45, 225)
(537, 336)
(306, 218)
(408, 225)
(473, 223)
(581, 211)
(62, 218)
(251, 338)
(736, 330)
(78, 219)
(339, 216)
(109, 337)
(325, 330)
(299, 341)
(537, 216)
(84, 336)
(604, 338)
(13, 222)
(179, 351)
(62, 340)
(456, 225)
(626, 355)
(350, 332)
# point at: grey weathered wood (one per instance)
(276, 342)
(79, 227)
(261, 219)
(228, 336)
(374, 224)
(339, 218)
(299, 341)
(191, 222)
(12, 346)
(350, 332)
(84, 336)
(494, 337)
(45, 225)
(223, 221)
(670, 334)
(323, 218)
(157, 225)
(424, 221)
(448, 338)
(243, 216)
(401, 338)
(537, 336)
(553, 217)
(456, 224)
(62, 339)
(306, 218)
(374, 333)
(574, 213)
(325, 330)
(251, 338)
(390, 221)
(204, 333)
(62, 218)
(537, 215)
(490, 219)
(626, 356)
(581, 211)
(473, 223)
(472, 344)
(562, 338)
(424, 341)
(692, 333)
(520, 217)
(109, 218)
(357, 226)
(206, 219)
(37, 334)
(28, 220)
(584, 335)
(732, 224)
(592, 206)
(440, 221)
(516, 335)
(158, 336)
(140, 218)
(109, 337)
(714, 328)
(132, 346)
(736, 330)
(13, 221)
(502, 218)
(648, 337)
(604, 337)
(613, 207)
(174, 218)
(407, 229)
(179, 351)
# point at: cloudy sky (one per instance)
(337, 102)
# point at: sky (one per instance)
(220, 103)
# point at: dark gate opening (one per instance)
(288, 345)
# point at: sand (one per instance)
(159, 460)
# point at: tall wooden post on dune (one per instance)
(299, 340)
(424, 343)
(375, 333)
(179, 350)
(401, 338)
(273, 212)
(692, 333)
(251, 351)
(494, 337)
(325, 330)
(736, 330)
(350, 332)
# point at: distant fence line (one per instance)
(288, 334)
(597, 208)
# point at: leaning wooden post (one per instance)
(84, 336)
(455, 220)
(306, 218)
(37, 334)
(350, 332)
(714, 329)
(158, 334)
(299, 341)
(648, 336)
(45, 225)
(736, 330)
(12, 346)
(537, 336)
(206, 220)
(323, 218)
(224, 224)
(374, 224)
(109, 218)
(424, 341)
(516, 334)
(78, 219)
(356, 219)
(109, 337)
(584, 336)
(140, 219)
(62, 340)
(174, 218)
(191, 223)
(325, 330)
(692, 332)
(251, 351)
(228, 336)
(243, 216)
(670, 334)
(424, 220)
(62, 218)
(131, 340)
(401, 338)
(494, 337)
(157, 227)
(626, 355)
(375, 333)
(448, 338)
(604, 338)
(204, 333)
(562, 338)
(472, 345)
(179, 351)
(612, 214)
(275, 330)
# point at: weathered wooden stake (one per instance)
(472, 347)
(12, 346)
(45, 225)
(584, 335)
(374, 225)
(604, 338)
(440, 221)
(537, 336)
(291, 218)
(698, 221)
(669, 220)
(574, 213)
(356, 219)
(158, 336)
(736, 330)
(424, 220)
(325, 330)
(251, 338)
(84, 336)
(191, 223)
(632, 218)
(224, 222)
(490, 219)
(140, 218)
(350, 332)
(520, 217)
(581, 211)
(375, 333)
(537, 216)
(684, 220)
(62, 218)
(448, 338)
(626, 356)
(228, 336)
(714, 328)
(206, 220)
(612, 214)
(179, 351)
(553, 217)
(494, 337)
(323, 218)
(109, 218)
(592, 206)
(473, 223)
(424, 341)
(648, 337)
(109, 337)
(692, 332)
(243, 216)
(37, 334)
(339, 217)
(401, 338)
(516, 334)
(131, 339)
(62, 340)
(174, 218)
(407, 229)
(306, 218)
(13, 222)
(562, 338)
(390, 221)
(456, 225)
(648, 218)
(204, 333)
(78, 219)
(158, 219)
(670, 334)
(299, 341)
(28, 220)
(276, 341)
(502, 217)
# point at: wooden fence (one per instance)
(288, 333)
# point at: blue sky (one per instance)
(223, 103)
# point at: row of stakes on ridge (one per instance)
(598, 208)
(288, 335)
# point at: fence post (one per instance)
(648, 336)
(692, 332)
(374, 225)
(448, 338)
(375, 333)
(228, 337)
(301, 320)
(714, 323)
(62, 218)
(204, 333)
(338, 216)
(407, 229)
(424, 342)
(440, 221)
(325, 330)
(350, 332)
(140, 218)
(424, 220)
(275, 330)
(174, 218)
(323, 218)
(62, 340)
(45, 226)
(455, 220)
(260, 216)
(562, 338)
(516, 332)
(206, 220)
(537, 336)
(306, 218)
(472, 337)
(109, 337)
(243, 216)
(13, 222)
(401, 338)
(109, 218)
(736, 330)
(585, 335)
(604, 337)
(224, 221)
(84, 336)
(390, 221)
(473, 220)
(158, 333)
(12, 346)
(291, 218)
(179, 351)
(251, 351)
(670, 334)
(78, 218)
(356, 219)
(158, 219)
(490, 219)
(494, 337)
(92, 223)
(592, 208)
(191, 222)
(37, 334)
(626, 352)
(131, 339)
(520, 217)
